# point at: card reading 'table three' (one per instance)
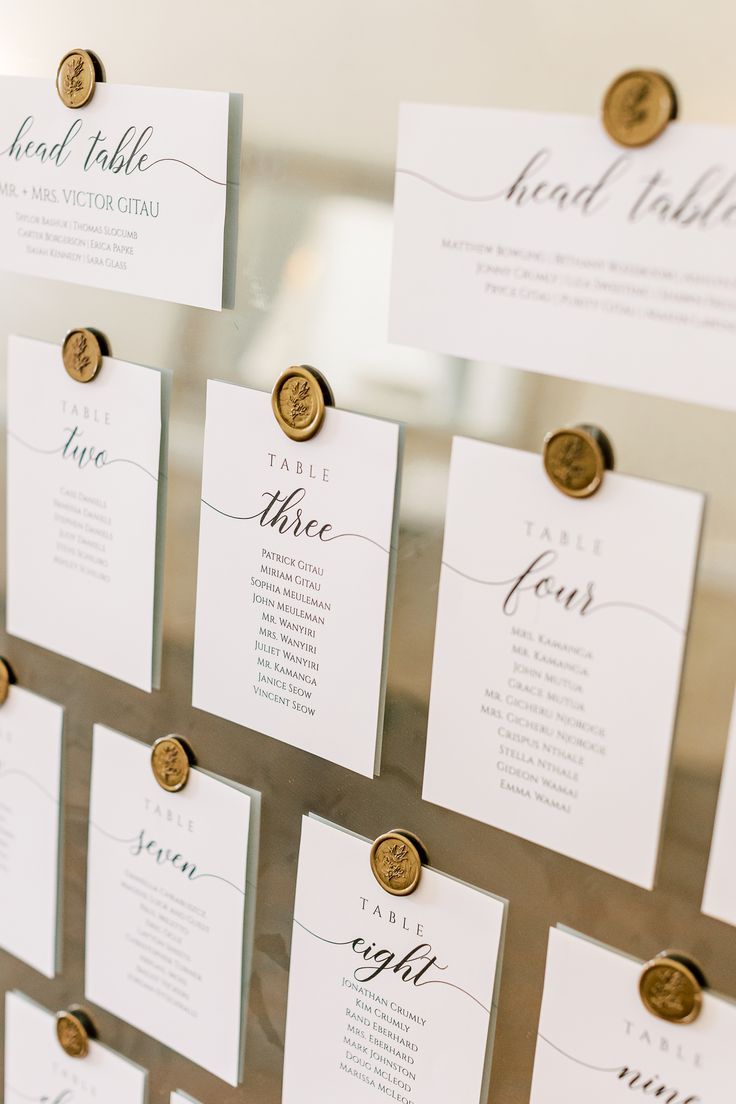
(560, 636)
(86, 497)
(296, 558)
(598, 1042)
(170, 903)
(381, 987)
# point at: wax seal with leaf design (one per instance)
(397, 858)
(77, 77)
(7, 679)
(638, 107)
(671, 987)
(299, 401)
(74, 1029)
(82, 353)
(171, 761)
(576, 458)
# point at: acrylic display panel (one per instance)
(321, 84)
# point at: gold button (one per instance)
(396, 861)
(82, 354)
(638, 107)
(299, 400)
(76, 78)
(74, 1030)
(171, 761)
(672, 988)
(7, 678)
(575, 461)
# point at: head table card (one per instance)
(38, 1071)
(86, 498)
(30, 823)
(598, 1042)
(296, 558)
(534, 240)
(561, 628)
(720, 888)
(389, 997)
(134, 192)
(170, 903)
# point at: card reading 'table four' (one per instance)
(560, 637)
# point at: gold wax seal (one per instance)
(671, 988)
(171, 762)
(76, 78)
(82, 354)
(638, 107)
(74, 1030)
(574, 461)
(299, 400)
(396, 861)
(7, 678)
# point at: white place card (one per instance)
(170, 903)
(296, 562)
(86, 502)
(381, 988)
(30, 828)
(597, 1041)
(719, 899)
(135, 192)
(560, 636)
(182, 1098)
(38, 1071)
(533, 240)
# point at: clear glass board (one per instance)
(322, 82)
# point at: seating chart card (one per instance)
(30, 827)
(135, 192)
(86, 503)
(384, 989)
(598, 1042)
(297, 549)
(560, 636)
(533, 240)
(720, 887)
(37, 1070)
(170, 903)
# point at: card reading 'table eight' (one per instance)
(386, 991)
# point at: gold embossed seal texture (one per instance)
(82, 355)
(671, 991)
(72, 1033)
(170, 763)
(299, 400)
(76, 78)
(638, 106)
(396, 862)
(574, 461)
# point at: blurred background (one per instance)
(322, 82)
